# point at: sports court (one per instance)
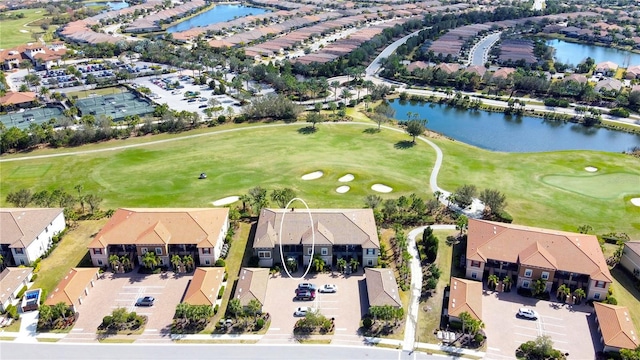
(117, 106)
(23, 119)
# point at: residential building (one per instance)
(630, 259)
(448, 68)
(527, 254)
(464, 296)
(503, 73)
(476, 69)
(328, 233)
(27, 233)
(41, 56)
(608, 84)
(615, 327)
(607, 68)
(577, 78)
(382, 288)
(633, 72)
(74, 287)
(252, 285)
(204, 286)
(12, 280)
(132, 233)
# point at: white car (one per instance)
(328, 288)
(527, 314)
(302, 311)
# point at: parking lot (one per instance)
(570, 328)
(123, 290)
(347, 305)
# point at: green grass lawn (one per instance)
(273, 157)
(69, 252)
(626, 294)
(98, 92)
(16, 32)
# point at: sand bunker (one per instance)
(635, 201)
(24, 31)
(226, 201)
(381, 188)
(591, 169)
(342, 189)
(312, 176)
(346, 178)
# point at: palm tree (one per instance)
(60, 309)
(579, 294)
(125, 262)
(354, 264)
(564, 291)
(346, 95)
(342, 264)
(150, 260)
(188, 262)
(335, 85)
(235, 307)
(318, 264)
(114, 260)
(492, 281)
(507, 283)
(176, 261)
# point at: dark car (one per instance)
(145, 301)
(307, 286)
(305, 294)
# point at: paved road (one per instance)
(538, 5)
(375, 65)
(54, 351)
(479, 51)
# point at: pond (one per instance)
(219, 13)
(572, 53)
(499, 132)
(111, 5)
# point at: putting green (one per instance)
(596, 186)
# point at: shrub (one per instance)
(367, 322)
(34, 277)
(107, 321)
(21, 292)
(478, 338)
(215, 309)
(611, 300)
(43, 296)
(221, 292)
(132, 316)
(619, 112)
(220, 263)
(259, 323)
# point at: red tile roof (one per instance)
(616, 326)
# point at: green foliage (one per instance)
(221, 292)
(619, 112)
(628, 354)
(21, 292)
(464, 195)
(121, 319)
(259, 323)
(539, 349)
(234, 307)
(431, 247)
(386, 312)
(367, 322)
(277, 107)
(220, 263)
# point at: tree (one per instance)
(539, 287)
(176, 261)
(335, 85)
(254, 307)
(234, 307)
(470, 324)
(21, 198)
(314, 118)
(628, 354)
(93, 201)
(414, 128)
(354, 264)
(150, 260)
(318, 263)
(283, 196)
(562, 292)
(383, 113)
(461, 223)
(342, 264)
(465, 195)
(125, 262)
(539, 349)
(188, 262)
(494, 200)
(258, 196)
(372, 201)
(114, 261)
(579, 294)
(492, 281)
(81, 199)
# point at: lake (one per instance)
(219, 13)
(574, 54)
(500, 132)
(110, 5)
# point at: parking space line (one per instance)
(524, 327)
(562, 326)
(553, 332)
(531, 336)
(551, 317)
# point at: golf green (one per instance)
(166, 174)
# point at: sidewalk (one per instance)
(450, 349)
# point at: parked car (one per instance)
(527, 314)
(146, 301)
(305, 295)
(307, 286)
(328, 288)
(302, 311)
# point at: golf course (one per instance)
(14, 32)
(543, 189)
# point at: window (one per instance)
(206, 251)
(309, 250)
(207, 262)
(99, 262)
(600, 284)
(144, 250)
(545, 275)
(324, 251)
(158, 251)
(369, 262)
(371, 251)
(528, 272)
(97, 251)
(525, 284)
(19, 250)
(475, 263)
(596, 296)
(161, 262)
(474, 275)
(264, 254)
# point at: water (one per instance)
(219, 13)
(574, 54)
(111, 5)
(499, 132)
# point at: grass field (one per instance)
(626, 294)
(16, 32)
(596, 186)
(273, 157)
(96, 92)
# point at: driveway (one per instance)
(570, 328)
(347, 306)
(122, 290)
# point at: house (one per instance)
(382, 288)
(18, 99)
(74, 287)
(630, 259)
(615, 326)
(27, 233)
(132, 233)
(579, 78)
(607, 68)
(608, 84)
(447, 68)
(252, 285)
(12, 280)
(204, 286)
(476, 69)
(633, 72)
(336, 233)
(464, 296)
(503, 73)
(41, 56)
(527, 254)
(417, 65)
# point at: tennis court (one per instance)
(117, 106)
(23, 119)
